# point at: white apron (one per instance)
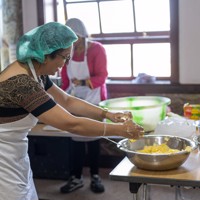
(80, 71)
(16, 181)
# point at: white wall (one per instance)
(29, 13)
(189, 18)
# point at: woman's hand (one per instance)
(133, 130)
(77, 82)
(119, 116)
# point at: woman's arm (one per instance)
(97, 63)
(59, 116)
(75, 105)
(82, 108)
(61, 119)
(64, 78)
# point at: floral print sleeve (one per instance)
(21, 95)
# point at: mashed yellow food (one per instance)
(162, 148)
(132, 140)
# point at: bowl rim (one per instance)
(196, 139)
(194, 146)
(166, 101)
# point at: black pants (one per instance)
(79, 150)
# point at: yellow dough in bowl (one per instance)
(162, 148)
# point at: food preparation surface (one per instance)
(186, 175)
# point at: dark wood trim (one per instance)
(40, 10)
(174, 26)
(55, 10)
(131, 34)
(133, 40)
(128, 88)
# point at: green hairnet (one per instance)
(44, 40)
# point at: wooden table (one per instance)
(186, 175)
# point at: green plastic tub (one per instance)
(147, 111)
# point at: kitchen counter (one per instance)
(45, 130)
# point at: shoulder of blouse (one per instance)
(96, 48)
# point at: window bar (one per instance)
(65, 9)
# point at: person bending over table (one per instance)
(27, 95)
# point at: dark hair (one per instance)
(54, 53)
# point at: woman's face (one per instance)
(79, 42)
(52, 65)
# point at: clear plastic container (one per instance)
(176, 126)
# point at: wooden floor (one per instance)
(114, 190)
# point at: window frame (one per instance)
(171, 36)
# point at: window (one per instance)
(140, 36)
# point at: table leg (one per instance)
(146, 192)
(137, 195)
(134, 187)
(178, 193)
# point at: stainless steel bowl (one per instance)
(157, 161)
(197, 141)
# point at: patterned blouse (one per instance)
(21, 95)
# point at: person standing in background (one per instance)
(84, 77)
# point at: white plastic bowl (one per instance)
(147, 111)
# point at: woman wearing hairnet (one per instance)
(28, 95)
(84, 77)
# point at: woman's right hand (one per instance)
(133, 130)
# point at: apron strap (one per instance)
(32, 68)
